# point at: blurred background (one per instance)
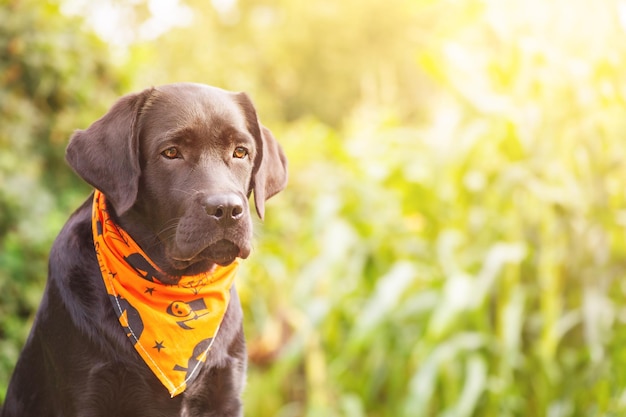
(452, 240)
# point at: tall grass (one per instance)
(442, 283)
(470, 265)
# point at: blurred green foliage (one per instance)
(451, 242)
(50, 79)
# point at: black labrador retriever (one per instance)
(176, 164)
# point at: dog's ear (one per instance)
(269, 175)
(106, 155)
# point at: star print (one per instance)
(149, 290)
(158, 346)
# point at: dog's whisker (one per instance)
(188, 192)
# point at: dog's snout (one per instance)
(224, 207)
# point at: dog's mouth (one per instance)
(223, 253)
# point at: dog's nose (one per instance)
(224, 207)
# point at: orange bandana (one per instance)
(171, 326)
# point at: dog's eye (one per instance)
(240, 152)
(171, 153)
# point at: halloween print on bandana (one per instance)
(129, 314)
(142, 266)
(196, 359)
(169, 325)
(188, 311)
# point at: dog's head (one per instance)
(178, 163)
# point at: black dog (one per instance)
(177, 164)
